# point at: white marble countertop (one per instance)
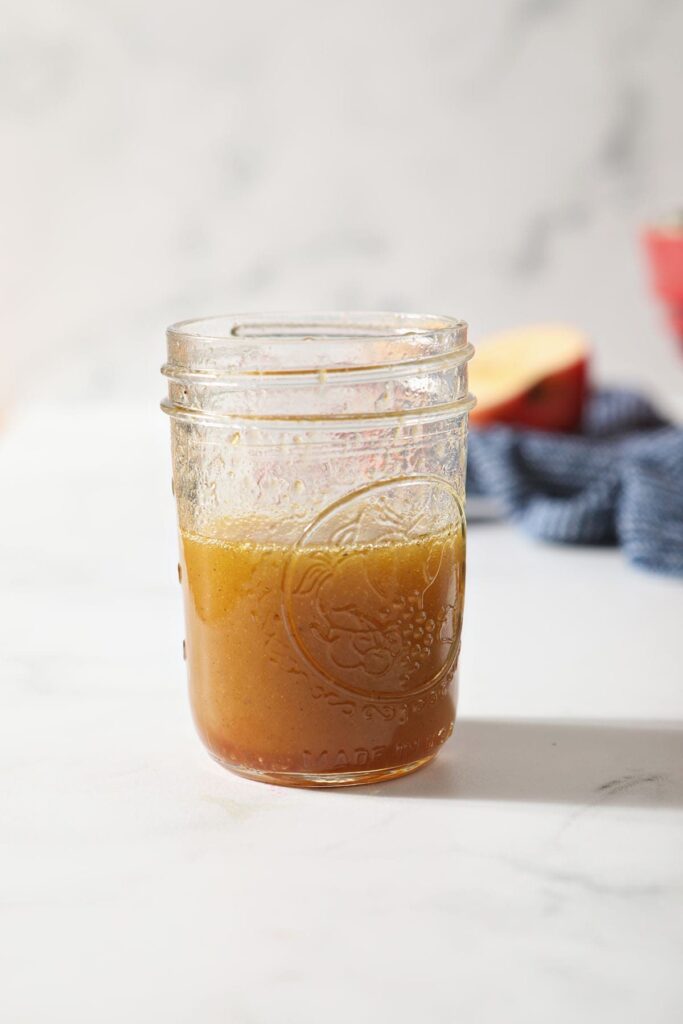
(533, 873)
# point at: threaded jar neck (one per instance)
(317, 366)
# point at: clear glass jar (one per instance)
(319, 471)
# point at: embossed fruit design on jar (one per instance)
(318, 467)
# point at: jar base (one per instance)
(328, 780)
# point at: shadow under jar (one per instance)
(319, 471)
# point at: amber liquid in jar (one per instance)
(328, 664)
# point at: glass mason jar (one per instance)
(319, 471)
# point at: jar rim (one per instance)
(338, 326)
(307, 363)
(278, 346)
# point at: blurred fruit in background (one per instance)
(533, 377)
(664, 247)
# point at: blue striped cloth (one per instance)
(620, 481)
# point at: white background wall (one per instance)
(495, 160)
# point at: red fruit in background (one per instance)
(533, 377)
(664, 247)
